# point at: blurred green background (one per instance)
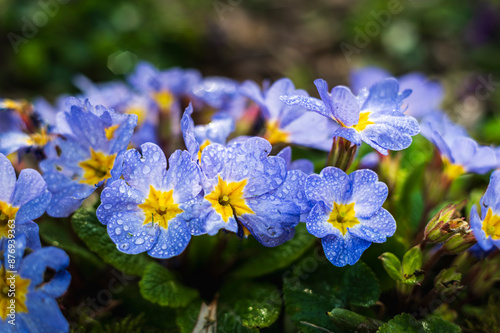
(457, 41)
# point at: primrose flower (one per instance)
(85, 155)
(36, 308)
(426, 96)
(153, 209)
(347, 214)
(289, 123)
(10, 118)
(197, 138)
(374, 116)
(120, 98)
(249, 192)
(486, 225)
(21, 201)
(164, 87)
(460, 153)
(21, 127)
(221, 94)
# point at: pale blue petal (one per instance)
(346, 250)
(171, 241)
(251, 162)
(145, 167)
(130, 234)
(183, 176)
(477, 228)
(31, 195)
(375, 228)
(317, 222)
(345, 106)
(11, 142)
(7, 179)
(310, 103)
(368, 193)
(366, 77)
(312, 130)
(331, 185)
(35, 264)
(187, 127)
(43, 315)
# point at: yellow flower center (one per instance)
(7, 213)
(110, 131)
(11, 104)
(97, 168)
(203, 146)
(274, 134)
(164, 99)
(159, 207)
(364, 120)
(139, 112)
(39, 139)
(13, 290)
(491, 225)
(451, 170)
(342, 217)
(227, 199)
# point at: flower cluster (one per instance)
(30, 305)
(174, 156)
(460, 154)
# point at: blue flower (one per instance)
(167, 87)
(197, 138)
(21, 127)
(249, 192)
(460, 153)
(289, 123)
(22, 201)
(426, 96)
(10, 115)
(113, 95)
(36, 308)
(221, 94)
(486, 225)
(153, 209)
(120, 98)
(86, 154)
(348, 214)
(374, 117)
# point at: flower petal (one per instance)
(342, 251)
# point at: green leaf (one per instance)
(448, 279)
(95, 236)
(309, 293)
(155, 315)
(248, 304)
(411, 265)
(160, 286)
(187, 317)
(437, 324)
(349, 321)
(126, 325)
(269, 260)
(392, 266)
(405, 323)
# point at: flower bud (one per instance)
(445, 224)
(460, 242)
